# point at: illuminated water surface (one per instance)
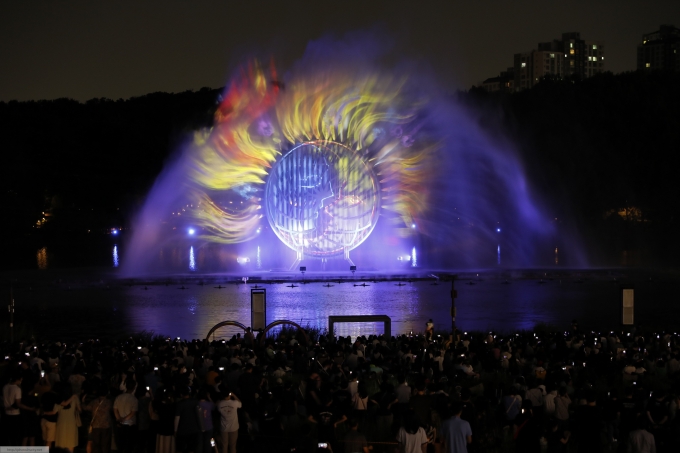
(484, 303)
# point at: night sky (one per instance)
(84, 49)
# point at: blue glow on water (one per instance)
(192, 304)
(499, 254)
(259, 258)
(192, 259)
(414, 258)
(115, 256)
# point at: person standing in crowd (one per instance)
(589, 425)
(12, 420)
(557, 438)
(630, 411)
(31, 419)
(48, 424)
(99, 430)
(512, 404)
(163, 407)
(125, 408)
(456, 432)
(187, 423)
(206, 408)
(145, 437)
(355, 442)
(429, 330)
(68, 419)
(412, 437)
(386, 399)
(640, 440)
(527, 430)
(562, 403)
(360, 403)
(228, 408)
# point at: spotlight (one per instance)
(191, 231)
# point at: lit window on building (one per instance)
(594, 58)
(571, 45)
(646, 65)
(594, 46)
(524, 65)
(571, 52)
(552, 55)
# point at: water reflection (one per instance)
(259, 259)
(41, 258)
(115, 256)
(488, 304)
(414, 258)
(192, 303)
(498, 251)
(192, 259)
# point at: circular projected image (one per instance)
(322, 199)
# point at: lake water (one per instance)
(93, 302)
(55, 297)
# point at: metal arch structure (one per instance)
(322, 200)
(222, 324)
(278, 323)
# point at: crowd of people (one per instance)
(570, 391)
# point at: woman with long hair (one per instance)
(412, 437)
(360, 405)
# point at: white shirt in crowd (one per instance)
(229, 415)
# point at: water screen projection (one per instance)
(339, 161)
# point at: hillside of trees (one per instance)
(90, 163)
(600, 150)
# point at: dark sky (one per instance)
(118, 49)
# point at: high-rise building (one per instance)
(547, 63)
(583, 58)
(659, 50)
(524, 73)
(570, 56)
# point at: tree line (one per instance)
(594, 148)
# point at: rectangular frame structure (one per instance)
(258, 308)
(628, 306)
(386, 320)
